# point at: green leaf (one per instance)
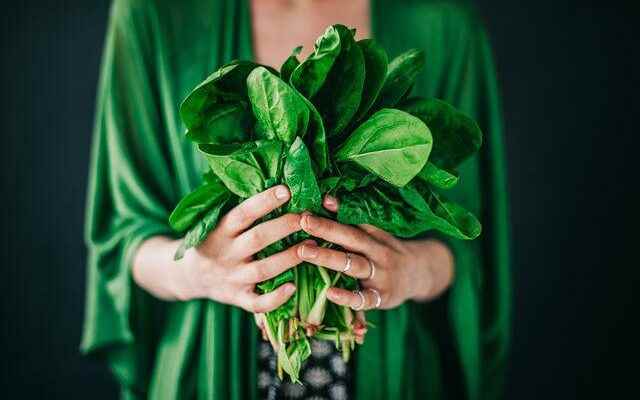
(196, 203)
(456, 136)
(407, 211)
(392, 144)
(375, 65)
(316, 139)
(198, 233)
(228, 83)
(278, 108)
(299, 177)
(244, 168)
(444, 215)
(311, 74)
(339, 97)
(402, 73)
(438, 177)
(290, 64)
(224, 123)
(383, 206)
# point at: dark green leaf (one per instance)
(277, 107)
(402, 73)
(299, 177)
(392, 144)
(375, 63)
(456, 136)
(443, 215)
(316, 139)
(290, 64)
(198, 233)
(244, 168)
(225, 123)
(196, 203)
(339, 97)
(228, 83)
(383, 206)
(438, 177)
(310, 75)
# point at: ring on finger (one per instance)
(372, 270)
(378, 297)
(348, 263)
(362, 300)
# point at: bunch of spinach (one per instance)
(340, 122)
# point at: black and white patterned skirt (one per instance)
(324, 376)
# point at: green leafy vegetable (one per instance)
(375, 63)
(278, 108)
(290, 64)
(325, 125)
(391, 144)
(456, 135)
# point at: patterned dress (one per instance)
(324, 376)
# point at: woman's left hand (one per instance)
(391, 271)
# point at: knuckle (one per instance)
(255, 238)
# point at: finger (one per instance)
(255, 303)
(347, 236)
(266, 233)
(379, 234)
(249, 211)
(352, 299)
(270, 267)
(345, 298)
(330, 203)
(335, 260)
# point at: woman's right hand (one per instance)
(223, 268)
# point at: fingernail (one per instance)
(330, 202)
(282, 192)
(289, 289)
(308, 251)
(332, 295)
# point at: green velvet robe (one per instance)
(141, 165)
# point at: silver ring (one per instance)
(362, 300)
(378, 297)
(372, 270)
(347, 265)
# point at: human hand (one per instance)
(391, 271)
(223, 268)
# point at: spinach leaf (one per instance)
(375, 66)
(198, 233)
(299, 177)
(244, 168)
(438, 177)
(392, 144)
(402, 73)
(290, 64)
(196, 203)
(311, 74)
(456, 136)
(277, 107)
(228, 83)
(442, 214)
(316, 139)
(225, 123)
(383, 206)
(339, 97)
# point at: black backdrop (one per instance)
(569, 78)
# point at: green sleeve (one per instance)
(129, 196)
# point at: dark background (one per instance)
(569, 76)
